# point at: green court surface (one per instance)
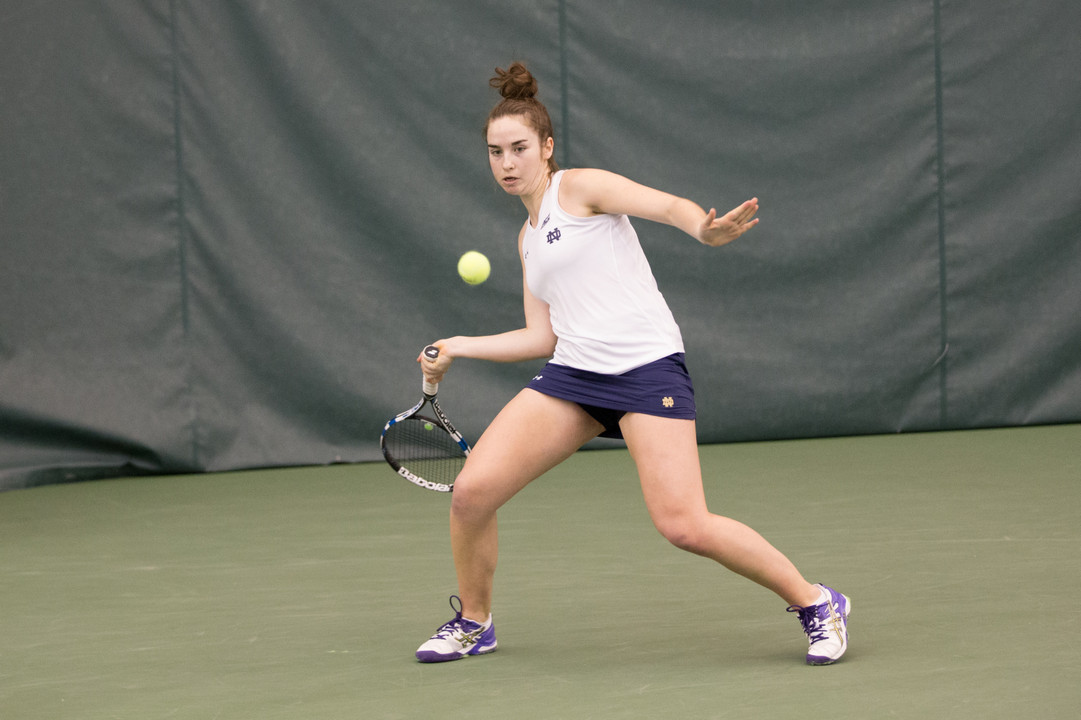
(302, 593)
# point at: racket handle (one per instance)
(430, 388)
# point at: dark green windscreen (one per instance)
(227, 229)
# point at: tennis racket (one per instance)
(426, 451)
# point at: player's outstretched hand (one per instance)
(721, 230)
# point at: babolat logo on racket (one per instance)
(427, 484)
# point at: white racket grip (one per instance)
(430, 388)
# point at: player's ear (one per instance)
(548, 147)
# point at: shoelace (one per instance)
(459, 624)
(811, 620)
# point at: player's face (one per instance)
(518, 158)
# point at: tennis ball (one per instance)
(474, 267)
(428, 426)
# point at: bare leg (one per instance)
(666, 453)
(531, 435)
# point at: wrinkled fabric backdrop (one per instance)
(227, 229)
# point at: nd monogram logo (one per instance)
(554, 235)
(668, 402)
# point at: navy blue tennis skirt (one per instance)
(662, 387)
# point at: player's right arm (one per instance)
(535, 340)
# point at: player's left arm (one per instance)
(596, 192)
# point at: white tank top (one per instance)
(606, 311)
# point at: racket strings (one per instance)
(424, 448)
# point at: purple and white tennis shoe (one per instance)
(458, 638)
(826, 625)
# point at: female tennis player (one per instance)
(616, 370)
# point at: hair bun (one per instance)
(515, 83)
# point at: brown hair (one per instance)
(519, 89)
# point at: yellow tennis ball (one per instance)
(474, 267)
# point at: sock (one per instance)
(823, 597)
(487, 623)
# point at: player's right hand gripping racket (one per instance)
(426, 451)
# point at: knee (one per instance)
(468, 503)
(685, 533)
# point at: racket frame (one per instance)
(429, 391)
